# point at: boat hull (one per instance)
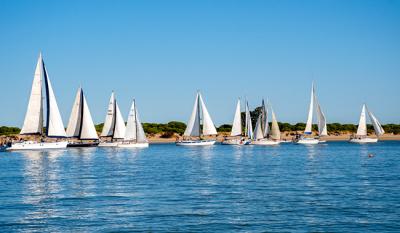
(108, 144)
(307, 141)
(83, 144)
(363, 140)
(196, 143)
(30, 145)
(235, 142)
(265, 143)
(134, 145)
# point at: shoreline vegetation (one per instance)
(171, 131)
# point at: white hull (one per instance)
(265, 143)
(235, 142)
(307, 141)
(108, 144)
(31, 145)
(196, 143)
(363, 140)
(134, 145)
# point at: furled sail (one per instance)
(377, 125)
(308, 129)
(193, 126)
(275, 132)
(55, 126)
(33, 123)
(109, 122)
(119, 128)
(248, 124)
(237, 121)
(362, 124)
(208, 125)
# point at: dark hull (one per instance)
(88, 144)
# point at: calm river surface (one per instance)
(332, 187)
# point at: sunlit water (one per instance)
(335, 187)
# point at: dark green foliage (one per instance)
(224, 128)
(173, 127)
(4, 130)
(99, 127)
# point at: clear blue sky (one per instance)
(161, 52)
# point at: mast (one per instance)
(81, 120)
(200, 116)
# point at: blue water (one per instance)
(335, 187)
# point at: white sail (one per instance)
(74, 123)
(377, 125)
(193, 126)
(119, 130)
(308, 129)
(130, 132)
(33, 123)
(362, 124)
(237, 121)
(322, 128)
(208, 125)
(109, 122)
(248, 125)
(258, 131)
(80, 123)
(141, 136)
(88, 131)
(275, 132)
(55, 126)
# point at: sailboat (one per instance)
(263, 135)
(34, 119)
(322, 128)
(114, 125)
(194, 125)
(80, 125)
(134, 133)
(361, 135)
(236, 132)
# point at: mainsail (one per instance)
(109, 122)
(134, 129)
(308, 129)
(362, 124)
(237, 121)
(258, 131)
(33, 123)
(80, 123)
(119, 127)
(193, 126)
